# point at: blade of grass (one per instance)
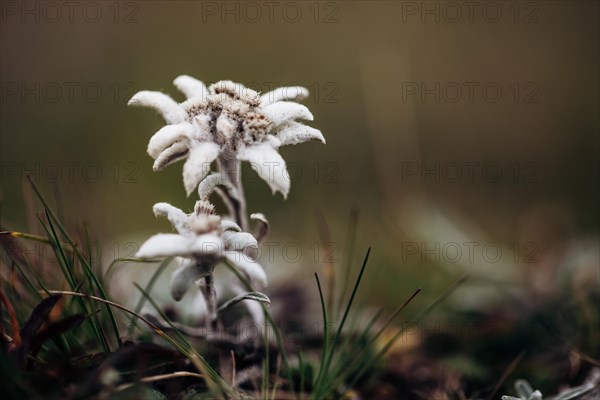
(60, 255)
(58, 201)
(159, 378)
(319, 386)
(28, 236)
(506, 374)
(156, 329)
(88, 247)
(563, 341)
(348, 258)
(329, 269)
(394, 315)
(148, 289)
(276, 383)
(346, 353)
(26, 278)
(95, 322)
(325, 329)
(18, 259)
(265, 366)
(68, 275)
(418, 318)
(343, 372)
(82, 260)
(301, 366)
(250, 296)
(108, 273)
(95, 282)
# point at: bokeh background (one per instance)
(455, 130)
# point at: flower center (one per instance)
(230, 113)
(201, 224)
(204, 220)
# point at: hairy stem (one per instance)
(243, 217)
(210, 294)
(232, 169)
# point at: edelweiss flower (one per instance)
(226, 122)
(203, 240)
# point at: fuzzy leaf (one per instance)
(167, 136)
(177, 152)
(198, 164)
(292, 132)
(172, 112)
(269, 165)
(283, 111)
(262, 230)
(176, 217)
(293, 93)
(210, 183)
(191, 87)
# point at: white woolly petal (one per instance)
(293, 93)
(183, 278)
(269, 165)
(228, 225)
(247, 266)
(293, 132)
(198, 163)
(177, 152)
(238, 240)
(207, 245)
(171, 244)
(165, 245)
(172, 112)
(191, 87)
(285, 110)
(273, 141)
(177, 217)
(167, 136)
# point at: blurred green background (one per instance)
(397, 88)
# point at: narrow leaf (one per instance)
(254, 296)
